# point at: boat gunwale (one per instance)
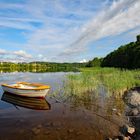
(41, 87)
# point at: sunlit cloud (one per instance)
(120, 17)
(22, 53)
(16, 56)
(63, 30)
(83, 61)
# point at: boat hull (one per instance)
(27, 93)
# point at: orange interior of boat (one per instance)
(37, 86)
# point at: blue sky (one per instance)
(65, 30)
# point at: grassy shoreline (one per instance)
(113, 79)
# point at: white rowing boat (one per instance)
(27, 89)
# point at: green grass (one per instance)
(114, 80)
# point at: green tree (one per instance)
(96, 62)
(126, 56)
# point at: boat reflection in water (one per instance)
(26, 102)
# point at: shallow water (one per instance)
(92, 117)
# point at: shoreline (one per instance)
(131, 131)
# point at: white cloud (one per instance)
(67, 27)
(19, 19)
(57, 30)
(120, 17)
(2, 52)
(16, 25)
(22, 53)
(40, 56)
(18, 56)
(83, 61)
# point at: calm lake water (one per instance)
(92, 117)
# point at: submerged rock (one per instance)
(78, 133)
(126, 138)
(134, 112)
(36, 131)
(70, 130)
(126, 129)
(118, 113)
(47, 132)
(130, 130)
(39, 126)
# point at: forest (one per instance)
(126, 56)
(40, 66)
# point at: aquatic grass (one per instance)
(113, 79)
(120, 80)
(81, 82)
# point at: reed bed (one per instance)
(90, 79)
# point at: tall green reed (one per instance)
(114, 80)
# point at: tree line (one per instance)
(40, 66)
(126, 56)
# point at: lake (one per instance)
(94, 116)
